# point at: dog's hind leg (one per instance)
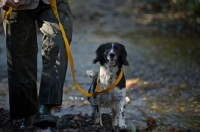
(115, 117)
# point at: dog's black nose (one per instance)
(112, 54)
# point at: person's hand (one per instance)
(6, 3)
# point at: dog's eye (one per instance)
(107, 49)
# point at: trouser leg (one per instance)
(22, 50)
(54, 57)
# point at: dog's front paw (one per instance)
(98, 121)
(120, 129)
(123, 129)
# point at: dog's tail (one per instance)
(91, 73)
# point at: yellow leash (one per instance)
(54, 8)
(6, 14)
(70, 58)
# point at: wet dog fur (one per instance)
(111, 56)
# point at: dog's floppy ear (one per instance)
(99, 53)
(124, 55)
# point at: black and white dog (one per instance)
(111, 57)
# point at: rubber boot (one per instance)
(27, 125)
(44, 118)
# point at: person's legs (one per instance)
(22, 51)
(53, 53)
(54, 59)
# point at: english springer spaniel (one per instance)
(111, 57)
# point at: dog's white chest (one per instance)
(107, 76)
(111, 98)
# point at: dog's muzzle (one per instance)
(112, 59)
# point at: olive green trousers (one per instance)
(22, 49)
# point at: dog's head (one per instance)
(111, 53)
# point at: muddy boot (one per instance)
(27, 125)
(44, 118)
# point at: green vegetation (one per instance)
(192, 6)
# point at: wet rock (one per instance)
(5, 123)
(68, 123)
(4, 117)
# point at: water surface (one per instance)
(167, 62)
